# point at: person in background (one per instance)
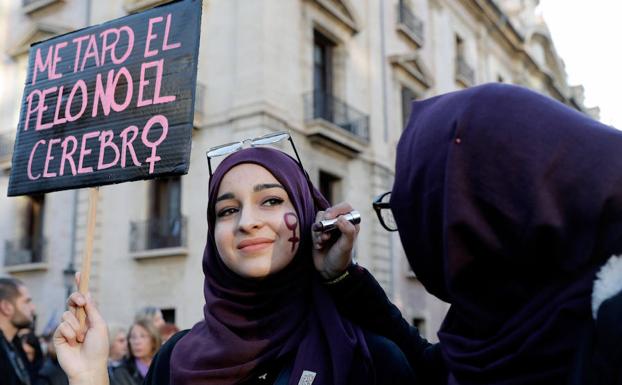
(118, 347)
(34, 353)
(151, 314)
(16, 312)
(144, 342)
(51, 373)
(167, 331)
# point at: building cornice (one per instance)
(515, 41)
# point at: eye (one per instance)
(226, 212)
(272, 201)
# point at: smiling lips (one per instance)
(254, 244)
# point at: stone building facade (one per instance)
(339, 75)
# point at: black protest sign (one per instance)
(109, 103)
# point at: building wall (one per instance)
(255, 65)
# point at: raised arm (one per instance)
(81, 353)
(360, 298)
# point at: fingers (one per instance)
(347, 229)
(327, 239)
(65, 333)
(70, 319)
(337, 210)
(75, 301)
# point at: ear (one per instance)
(6, 307)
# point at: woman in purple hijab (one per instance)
(268, 317)
(507, 204)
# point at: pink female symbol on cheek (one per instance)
(291, 221)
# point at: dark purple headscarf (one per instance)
(249, 323)
(507, 202)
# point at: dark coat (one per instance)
(51, 374)
(126, 374)
(8, 374)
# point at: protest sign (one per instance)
(109, 103)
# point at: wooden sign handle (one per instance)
(85, 272)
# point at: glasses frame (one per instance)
(379, 205)
(252, 143)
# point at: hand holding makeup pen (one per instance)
(334, 234)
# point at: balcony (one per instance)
(7, 141)
(409, 24)
(320, 105)
(25, 251)
(464, 73)
(335, 123)
(158, 237)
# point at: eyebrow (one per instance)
(257, 188)
(225, 196)
(265, 186)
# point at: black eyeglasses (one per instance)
(266, 140)
(383, 211)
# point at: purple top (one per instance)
(250, 323)
(142, 368)
(507, 202)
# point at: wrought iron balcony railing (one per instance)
(464, 73)
(23, 251)
(158, 233)
(413, 24)
(321, 105)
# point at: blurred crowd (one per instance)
(28, 358)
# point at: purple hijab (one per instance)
(507, 202)
(251, 323)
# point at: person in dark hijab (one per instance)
(507, 203)
(268, 318)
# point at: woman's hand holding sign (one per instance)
(82, 353)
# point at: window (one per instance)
(464, 73)
(322, 76)
(34, 227)
(329, 187)
(28, 247)
(419, 323)
(165, 222)
(168, 315)
(408, 96)
(459, 48)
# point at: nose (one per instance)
(249, 219)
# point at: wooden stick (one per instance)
(85, 272)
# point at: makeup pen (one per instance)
(327, 225)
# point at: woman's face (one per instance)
(118, 347)
(140, 342)
(257, 231)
